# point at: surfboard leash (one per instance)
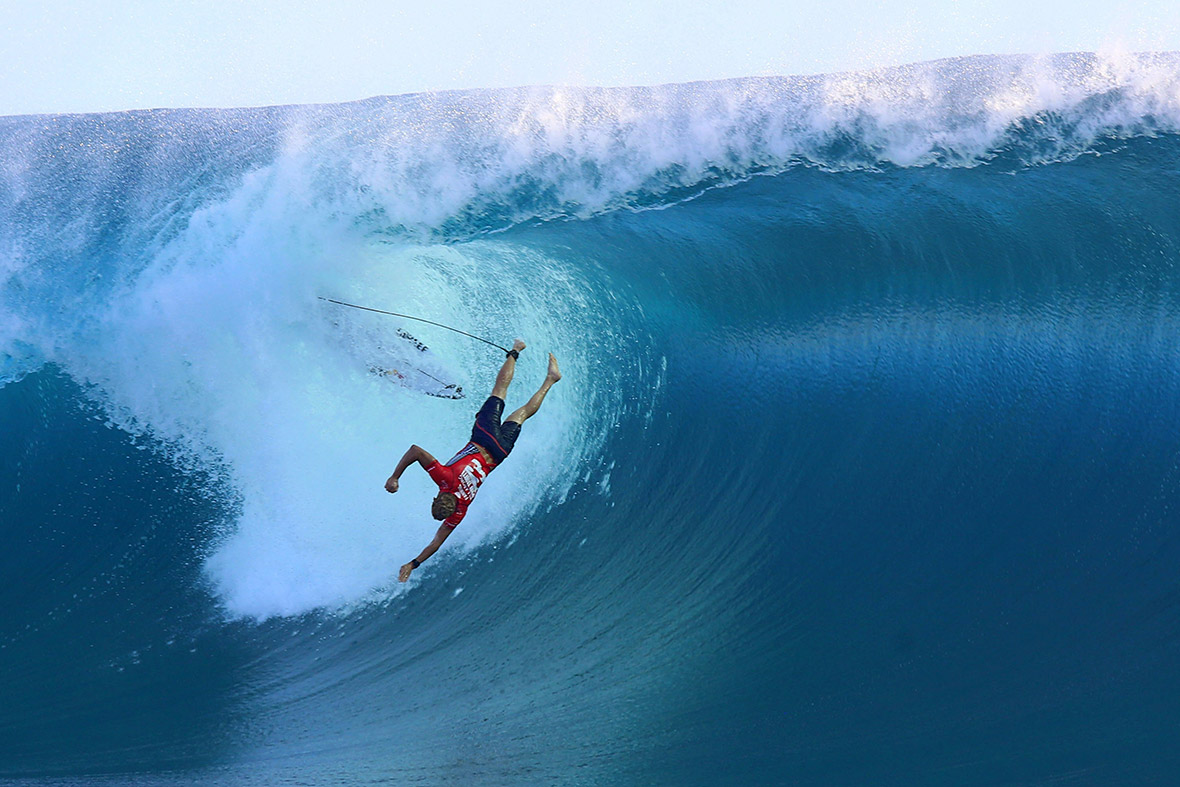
(411, 317)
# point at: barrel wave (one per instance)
(864, 467)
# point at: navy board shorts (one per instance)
(491, 435)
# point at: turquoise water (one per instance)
(863, 469)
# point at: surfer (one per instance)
(491, 441)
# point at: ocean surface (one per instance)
(865, 468)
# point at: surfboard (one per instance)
(413, 365)
(395, 354)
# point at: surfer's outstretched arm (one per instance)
(414, 454)
(431, 548)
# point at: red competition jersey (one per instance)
(461, 476)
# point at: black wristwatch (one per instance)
(414, 562)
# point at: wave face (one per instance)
(863, 469)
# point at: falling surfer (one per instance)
(491, 441)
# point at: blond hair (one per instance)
(444, 505)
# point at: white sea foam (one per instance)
(226, 355)
(220, 350)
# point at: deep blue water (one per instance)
(864, 469)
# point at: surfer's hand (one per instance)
(391, 485)
(404, 574)
(517, 345)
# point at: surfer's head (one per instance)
(443, 505)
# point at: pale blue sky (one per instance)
(72, 56)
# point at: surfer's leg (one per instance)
(504, 376)
(533, 404)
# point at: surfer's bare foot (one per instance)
(554, 373)
(517, 345)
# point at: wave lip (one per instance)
(452, 163)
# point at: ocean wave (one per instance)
(169, 261)
(861, 471)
